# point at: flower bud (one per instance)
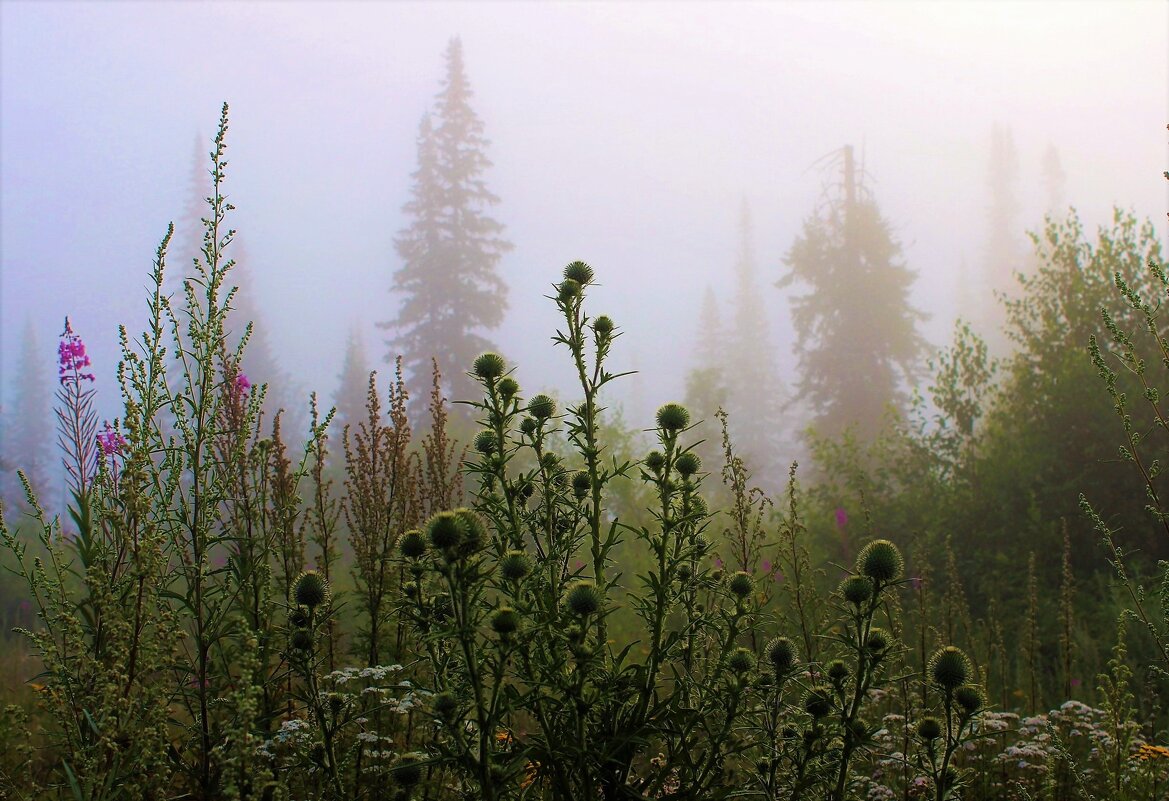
(581, 484)
(444, 530)
(742, 660)
(412, 545)
(655, 460)
(541, 407)
(949, 667)
(603, 326)
(818, 701)
(673, 417)
(742, 584)
(515, 566)
(580, 272)
(310, 589)
(782, 654)
(407, 770)
(929, 729)
(856, 589)
(490, 366)
(485, 442)
(569, 289)
(881, 561)
(508, 388)
(969, 698)
(505, 621)
(688, 464)
(583, 598)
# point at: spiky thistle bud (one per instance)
(878, 641)
(673, 417)
(583, 598)
(684, 572)
(929, 729)
(541, 407)
(742, 584)
(782, 654)
(528, 426)
(445, 705)
(444, 530)
(881, 561)
(489, 366)
(688, 464)
(515, 566)
(818, 701)
(310, 589)
(696, 506)
(413, 545)
(580, 272)
(485, 441)
(949, 668)
(603, 325)
(581, 484)
(508, 387)
(837, 671)
(742, 660)
(969, 698)
(407, 770)
(474, 530)
(505, 621)
(302, 640)
(568, 290)
(655, 460)
(298, 619)
(856, 589)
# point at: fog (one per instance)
(626, 135)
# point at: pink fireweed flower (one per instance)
(242, 384)
(110, 442)
(71, 357)
(841, 517)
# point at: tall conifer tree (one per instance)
(27, 442)
(856, 331)
(353, 389)
(451, 249)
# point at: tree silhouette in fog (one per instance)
(26, 438)
(451, 249)
(856, 332)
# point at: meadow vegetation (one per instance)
(523, 598)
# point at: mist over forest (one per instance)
(575, 287)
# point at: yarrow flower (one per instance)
(71, 357)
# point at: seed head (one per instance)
(929, 729)
(949, 667)
(688, 464)
(742, 660)
(583, 598)
(969, 698)
(818, 701)
(541, 407)
(515, 566)
(485, 441)
(490, 366)
(856, 589)
(782, 654)
(310, 589)
(580, 272)
(881, 561)
(413, 545)
(742, 584)
(444, 530)
(673, 417)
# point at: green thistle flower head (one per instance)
(655, 460)
(508, 388)
(688, 464)
(581, 484)
(878, 641)
(407, 770)
(684, 572)
(445, 705)
(583, 598)
(949, 668)
(541, 407)
(505, 621)
(444, 530)
(742, 584)
(856, 589)
(485, 442)
(302, 640)
(881, 561)
(837, 671)
(697, 506)
(474, 530)
(603, 325)
(782, 654)
(310, 589)
(929, 729)
(673, 417)
(490, 366)
(568, 290)
(515, 566)
(413, 544)
(528, 426)
(299, 619)
(580, 272)
(969, 698)
(742, 660)
(818, 701)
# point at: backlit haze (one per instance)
(626, 135)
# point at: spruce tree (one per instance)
(27, 441)
(856, 332)
(451, 249)
(353, 389)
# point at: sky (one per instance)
(623, 134)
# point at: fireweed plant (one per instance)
(228, 616)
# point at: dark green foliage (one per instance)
(448, 279)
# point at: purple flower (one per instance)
(1076, 682)
(915, 582)
(110, 442)
(841, 517)
(71, 357)
(242, 384)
